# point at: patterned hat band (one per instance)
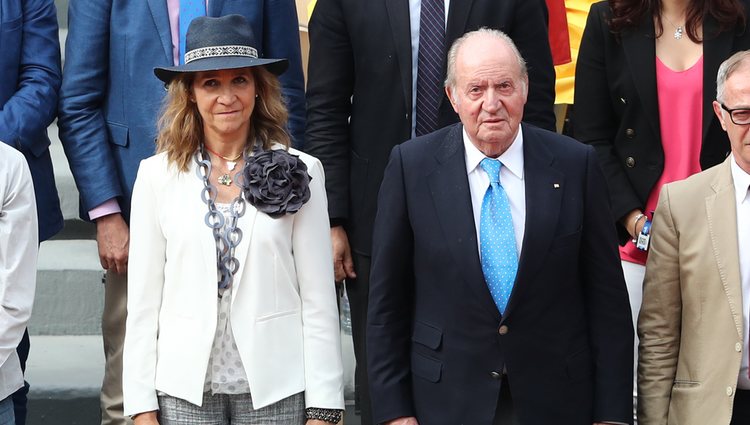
(220, 51)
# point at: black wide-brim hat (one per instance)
(213, 44)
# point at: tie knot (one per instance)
(492, 168)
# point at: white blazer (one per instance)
(284, 313)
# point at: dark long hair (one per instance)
(629, 13)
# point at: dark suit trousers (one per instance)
(357, 290)
(741, 410)
(20, 398)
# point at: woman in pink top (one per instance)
(645, 80)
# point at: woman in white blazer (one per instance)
(232, 315)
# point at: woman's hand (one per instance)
(146, 418)
(634, 222)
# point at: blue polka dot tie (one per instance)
(497, 239)
(189, 10)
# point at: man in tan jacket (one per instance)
(693, 325)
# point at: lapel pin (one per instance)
(556, 185)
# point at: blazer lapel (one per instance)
(722, 227)
(640, 52)
(716, 49)
(458, 16)
(543, 202)
(398, 14)
(161, 20)
(449, 187)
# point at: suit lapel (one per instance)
(640, 52)
(161, 20)
(398, 14)
(716, 49)
(722, 227)
(214, 8)
(458, 16)
(543, 203)
(449, 187)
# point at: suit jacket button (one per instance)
(496, 375)
(630, 162)
(729, 391)
(738, 347)
(503, 330)
(629, 133)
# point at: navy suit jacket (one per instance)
(110, 98)
(437, 344)
(29, 84)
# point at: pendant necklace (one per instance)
(678, 30)
(225, 179)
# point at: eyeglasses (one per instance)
(739, 116)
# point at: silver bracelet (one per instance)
(635, 225)
(328, 415)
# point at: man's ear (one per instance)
(719, 114)
(451, 96)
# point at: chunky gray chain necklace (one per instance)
(226, 241)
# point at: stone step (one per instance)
(69, 293)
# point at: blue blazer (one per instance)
(110, 98)
(30, 70)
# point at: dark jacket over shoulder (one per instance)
(359, 92)
(617, 109)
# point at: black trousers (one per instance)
(20, 396)
(741, 410)
(358, 290)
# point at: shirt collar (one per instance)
(512, 158)
(741, 181)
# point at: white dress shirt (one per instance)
(19, 244)
(511, 178)
(415, 9)
(742, 200)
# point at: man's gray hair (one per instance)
(450, 79)
(726, 70)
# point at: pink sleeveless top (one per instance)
(680, 95)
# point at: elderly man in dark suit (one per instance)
(30, 71)
(375, 80)
(496, 291)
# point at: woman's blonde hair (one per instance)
(181, 126)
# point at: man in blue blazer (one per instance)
(109, 105)
(496, 293)
(29, 84)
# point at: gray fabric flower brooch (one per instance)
(276, 182)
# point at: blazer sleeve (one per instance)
(25, 116)
(389, 314)
(313, 258)
(529, 33)
(145, 283)
(83, 130)
(660, 320)
(596, 121)
(609, 317)
(281, 40)
(329, 91)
